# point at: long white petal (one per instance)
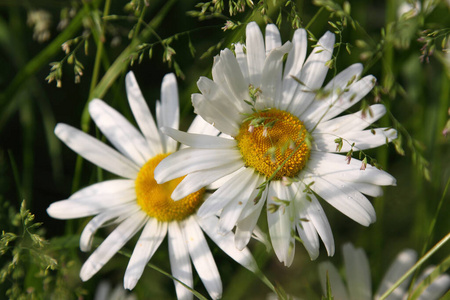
(280, 222)
(199, 140)
(255, 53)
(200, 126)
(236, 186)
(104, 188)
(226, 243)
(241, 58)
(357, 268)
(309, 237)
(149, 241)
(313, 73)
(202, 258)
(366, 139)
(96, 152)
(142, 115)
(197, 180)
(124, 136)
(169, 112)
(179, 261)
(116, 240)
(98, 221)
(190, 160)
(345, 199)
(339, 291)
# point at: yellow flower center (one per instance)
(273, 139)
(155, 198)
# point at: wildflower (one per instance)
(359, 282)
(283, 112)
(137, 201)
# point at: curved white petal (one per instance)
(200, 126)
(357, 268)
(124, 136)
(117, 214)
(104, 188)
(142, 115)
(199, 140)
(168, 111)
(255, 53)
(190, 160)
(202, 258)
(308, 235)
(149, 241)
(366, 139)
(116, 240)
(293, 67)
(280, 222)
(197, 180)
(345, 199)
(179, 261)
(226, 243)
(234, 187)
(273, 38)
(241, 58)
(96, 152)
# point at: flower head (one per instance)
(293, 123)
(137, 201)
(359, 282)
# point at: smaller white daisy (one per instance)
(359, 282)
(137, 201)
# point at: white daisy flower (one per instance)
(137, 201)
(284, 142)
(359, 281)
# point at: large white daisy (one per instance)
(285, 131)
(137, 201)
(359, 281)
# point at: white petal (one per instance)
(233, 209)
(352, 122)
(313, 73)
(402, 263)
(255, 53)
(280, 222)
(357, 268)
(149, 241)
(142, 115)
(195, 181)
(98, 221)
(309, 237)
(247, 221)
(437, 288)
(338, 288)
(104, 187)
(366, 139)
(190, 160)
(366, 188)
(335, 165)
(89, 205)
(226, 243)
(96, 152)
(226, 193)
(271, 78)
(199, 140)
(241, 58)
(200, 126)
(116, 240)
(273, 38)
(124, 136)
(345, 199)
(222, 117)
(202, 258)
(169, 111)
(179, 261)
(293, 67)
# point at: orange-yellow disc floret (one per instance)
(155, 198)
(275, 138)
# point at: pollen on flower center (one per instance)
(155, 198)
(273, 138)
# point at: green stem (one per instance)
(417, 265)
(314, 17)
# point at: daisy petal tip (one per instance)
(130, 282)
